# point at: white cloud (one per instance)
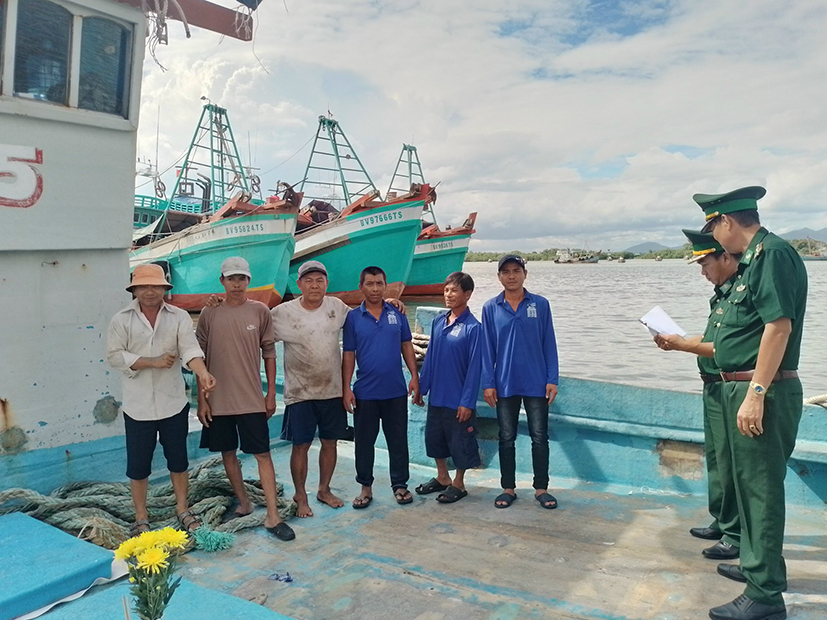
(558, 121)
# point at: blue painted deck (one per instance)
(190, 602)
(40, 564)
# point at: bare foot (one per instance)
(303, 509)
(326, 497)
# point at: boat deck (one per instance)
(605, 553)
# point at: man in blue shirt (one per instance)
(451, 373)
(374, 335)
(519, 363)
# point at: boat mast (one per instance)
(354, 182)
(409, 160)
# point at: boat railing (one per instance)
(149, 202)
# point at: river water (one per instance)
(596, 310)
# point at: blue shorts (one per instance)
(141, 436)
(445, 437)
(301, 420)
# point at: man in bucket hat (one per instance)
(148, 341)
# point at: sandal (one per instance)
(403, 496)
(362, 502)
(547, 501)
(190, 521)
(139, 527)
(432, 486)
(504, 500)
(451, 494)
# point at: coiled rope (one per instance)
(102, 512)
(821, 399)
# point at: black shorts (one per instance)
(141, 436)
(301, 420)
(446, 437)
(225, 431)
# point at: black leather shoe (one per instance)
(731, 571)
(707, 533)
(721, 551)
(744, 608)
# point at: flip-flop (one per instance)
(400, 496)
(362, 502)
(451, 494)
(139, 527)
(508, 498)
(545, 499)
(282, 531)
(232, 516)
(432, 486)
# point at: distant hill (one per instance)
(649, 246)
(803, 233)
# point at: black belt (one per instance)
(746, 375)
(707, 378)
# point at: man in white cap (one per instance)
(310, 326)
(236, 335)
(147, 341)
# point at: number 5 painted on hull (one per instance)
(21, 183)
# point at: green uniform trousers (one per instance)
(723, 504)
(759, 466)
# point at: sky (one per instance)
(562, 123)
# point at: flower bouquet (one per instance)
(150, 559)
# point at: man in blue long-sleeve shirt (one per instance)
(519, 363)
(451, 376)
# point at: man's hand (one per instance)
(204, 413)
(165, 361)
(348, 399)
(551, 392)
(213, 301)
(396, 303)
(413, 390)
(207, 381)
(669, 342)
(490, 396)
(751, 415)
(463, 414)
(270, 404)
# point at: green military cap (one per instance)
(715, 205)
(702, 244)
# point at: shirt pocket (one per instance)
(736, 306)
(166, 341)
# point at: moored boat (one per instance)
(261, 234)
(438, 252)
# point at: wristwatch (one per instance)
(759, 389)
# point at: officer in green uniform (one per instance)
(720, 268)
(757, 346)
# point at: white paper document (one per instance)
(656, 321)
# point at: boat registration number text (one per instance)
(373, 220)
(240, 229)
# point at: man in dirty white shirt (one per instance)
(309, 327)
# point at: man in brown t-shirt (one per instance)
(235, 336)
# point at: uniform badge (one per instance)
(456, 331)
(747, 257)
(719, 311)
(532, 311)
(758, 249)
(392, 318)
(741, 288)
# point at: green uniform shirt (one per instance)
(771, 284)
(706, 365)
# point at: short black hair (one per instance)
(462, 280)
(373, 270)
(746, 218)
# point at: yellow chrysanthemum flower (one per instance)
(172, 538)
(152, 560)
(126, 549)
(148, 539)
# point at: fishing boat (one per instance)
(814, 254)
(439, 252)
(350, 230)
(569, 257)
(190, 235)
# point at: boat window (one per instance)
(144, 218)
(136, 217)
(104, 66)
(44, 39)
